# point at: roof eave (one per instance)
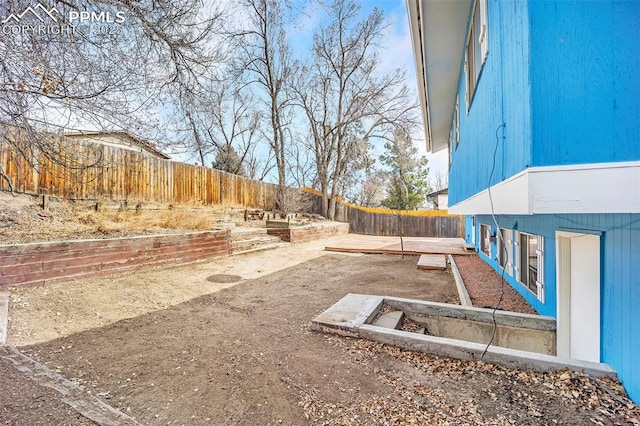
(438, 32)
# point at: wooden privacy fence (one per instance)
(385, 222)
(127, 175)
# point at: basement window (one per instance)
(530, 263)
(477, 48)
(485, 239)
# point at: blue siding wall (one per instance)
(585, 87)
(502, 96)
(468, 226)
(620, 297)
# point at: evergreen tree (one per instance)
(228, 160)
(408, 174)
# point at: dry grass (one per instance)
(145, 220)
(22, 221)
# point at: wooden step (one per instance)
(432, 262)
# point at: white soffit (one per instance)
(582, 188)
(443, 25)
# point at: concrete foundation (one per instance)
(526, 332)
(521, 340)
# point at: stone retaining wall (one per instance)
(45, 263)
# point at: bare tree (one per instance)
(368, 189)
(439, 181)
(224, 123)
(267, 61)
(300, 164)
(346, 98)
(80, 78)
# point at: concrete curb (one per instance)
(351, 316)
(4, 317)
(465, 300)
(486, 315)
(460, 349)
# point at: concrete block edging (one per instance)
(465, 300)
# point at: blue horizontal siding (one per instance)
(586, 90)
(620, 294)
(502, 96)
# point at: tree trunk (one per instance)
(325, 200)
(331, 214)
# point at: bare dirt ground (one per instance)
(246, 355)
(40, 314)
(20, 396)
(229, 342)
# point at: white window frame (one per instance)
(456, 123)
(505, 248)
(450, 149)
(539, 284)
(484, 241)
(473, 230)
(478, 32)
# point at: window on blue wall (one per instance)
(477, 48)
(485, 239)
(530, 263)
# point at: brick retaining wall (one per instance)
(307, 233)
(45, 263)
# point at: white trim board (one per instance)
(580, 188)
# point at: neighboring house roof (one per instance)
(436, 193)
(438, 30)
(119, 138)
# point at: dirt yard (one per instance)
(172, 347)
(229, 341)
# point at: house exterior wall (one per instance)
(443, 201)
(502, 96)
(562, 77)
(620, 278)
(584, 75)
(559, 87)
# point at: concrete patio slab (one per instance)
(348, 314)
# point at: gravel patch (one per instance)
(485, 285)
